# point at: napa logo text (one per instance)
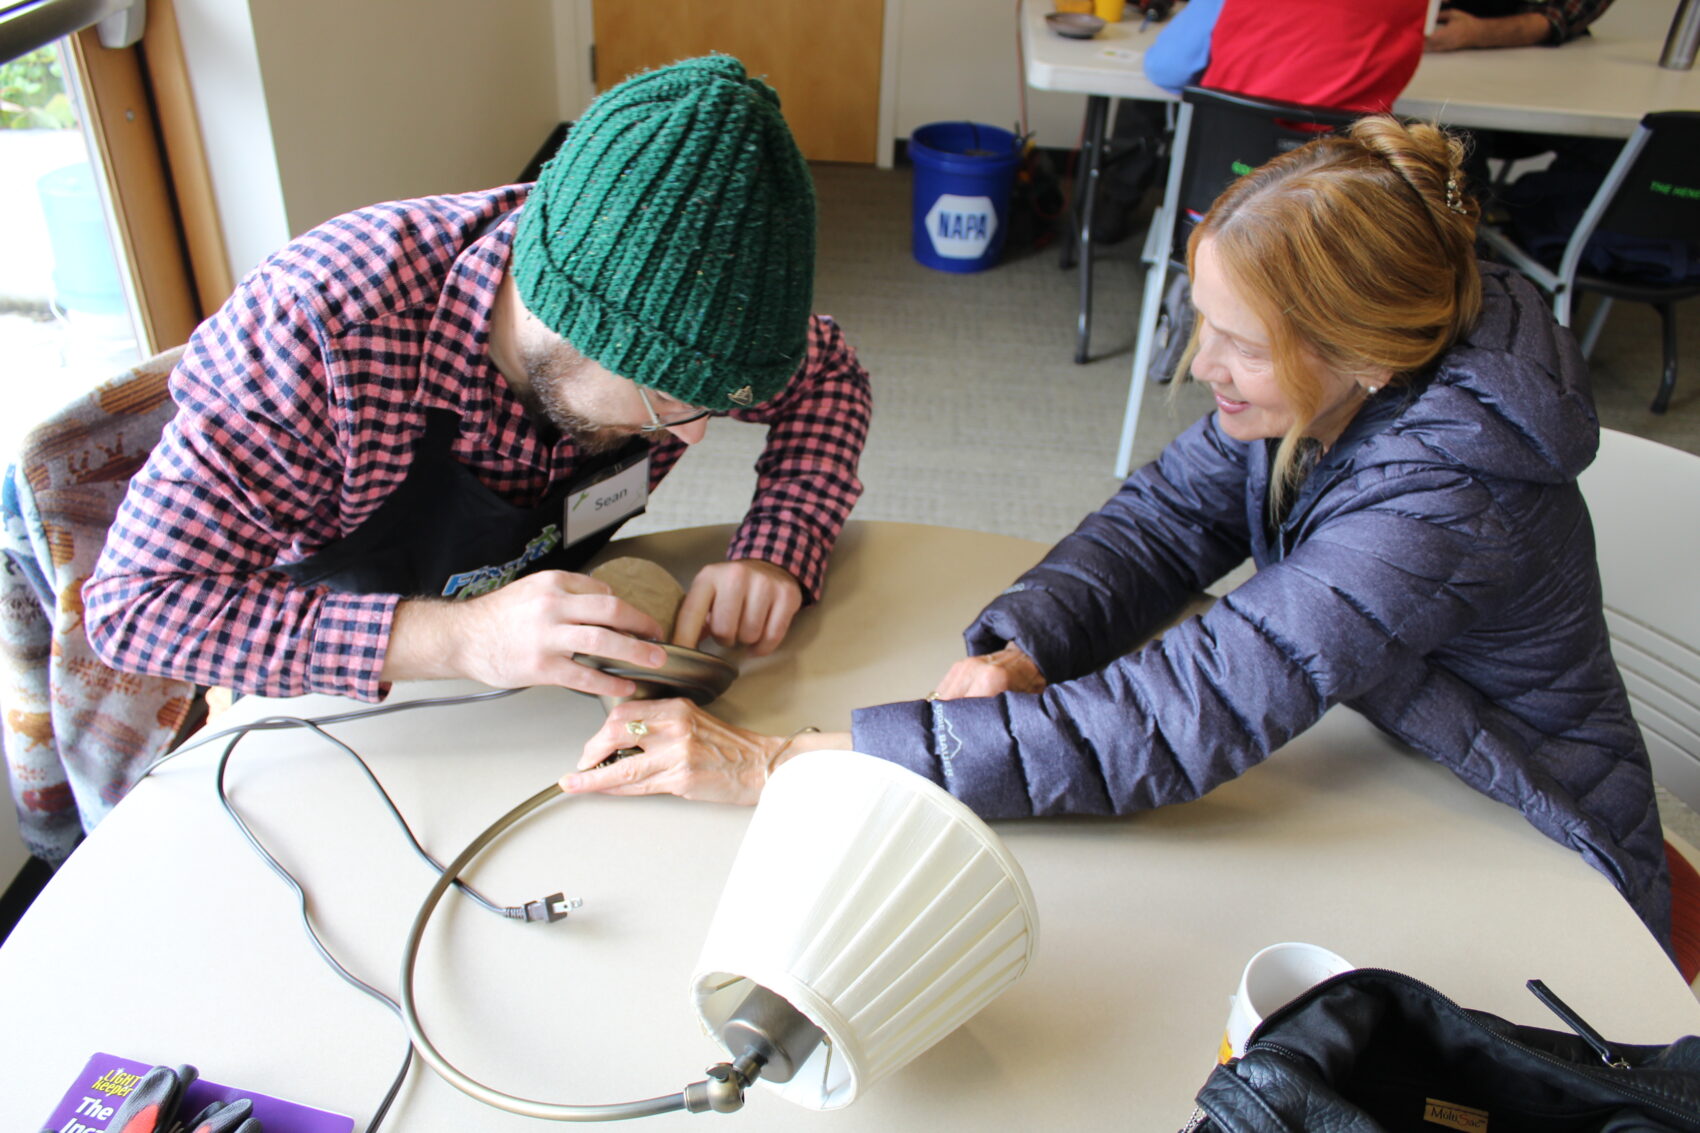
(961, 228)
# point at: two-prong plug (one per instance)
(548, 909)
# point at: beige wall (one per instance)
(224, 74)
(956, 59)
(944, 60)
(574, 33)
(314, 107)
(375, 100)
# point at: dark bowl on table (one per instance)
(1074, 25)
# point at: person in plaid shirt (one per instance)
(403, 432)
(1464, 24)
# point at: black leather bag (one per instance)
(1374, 1050)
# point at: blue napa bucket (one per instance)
(964, 175)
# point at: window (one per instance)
(95, 270)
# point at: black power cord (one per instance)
(547, 909)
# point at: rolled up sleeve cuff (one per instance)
(350, 639)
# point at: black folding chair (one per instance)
(1652, 191)
(1218, 137)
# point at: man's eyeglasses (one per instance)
(658, 423)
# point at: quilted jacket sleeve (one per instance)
(1176, 526)
(1393, 563)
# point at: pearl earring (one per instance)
(1369, 391)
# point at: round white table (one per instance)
(164, 938)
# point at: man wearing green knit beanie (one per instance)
(404, 434)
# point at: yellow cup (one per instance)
(1110, 11)
(1081, 6)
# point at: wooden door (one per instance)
(823, 59)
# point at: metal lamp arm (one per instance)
(721, 1092)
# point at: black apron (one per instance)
(444, 533)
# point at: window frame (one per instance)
(140, 121)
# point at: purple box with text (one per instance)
(96, 1094)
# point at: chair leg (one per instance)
(1097, 110)
(1667, 317)
(1156, 277)
(1596, 323)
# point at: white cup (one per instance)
(1273, 978)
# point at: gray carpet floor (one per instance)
(982, 419)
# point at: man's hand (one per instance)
(684, 751)
(742, 602)
(1007, 670)
(524, 634)
(1457, 31)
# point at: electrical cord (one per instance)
(307, 923)
(723, 1095)
(695, 1097)
(270, 723)
(548, 909)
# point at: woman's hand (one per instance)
(1007, 670)
(683, 751)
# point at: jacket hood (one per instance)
(1511, 400)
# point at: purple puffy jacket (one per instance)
(1435, 572)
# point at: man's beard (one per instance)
(549, 376)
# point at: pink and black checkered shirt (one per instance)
(298, 407)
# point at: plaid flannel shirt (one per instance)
(298, 407)
(1567, 19)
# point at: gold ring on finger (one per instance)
(637, 727)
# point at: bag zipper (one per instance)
(1576, 1023)
(1635, 1089)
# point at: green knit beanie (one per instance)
(672, 236)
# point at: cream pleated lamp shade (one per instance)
(877, 905)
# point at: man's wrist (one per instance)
(423, 642)
(779, 570)
(1525, 29)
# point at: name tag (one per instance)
(620, 495)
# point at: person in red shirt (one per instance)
(1344, 54)
(1341, 54)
